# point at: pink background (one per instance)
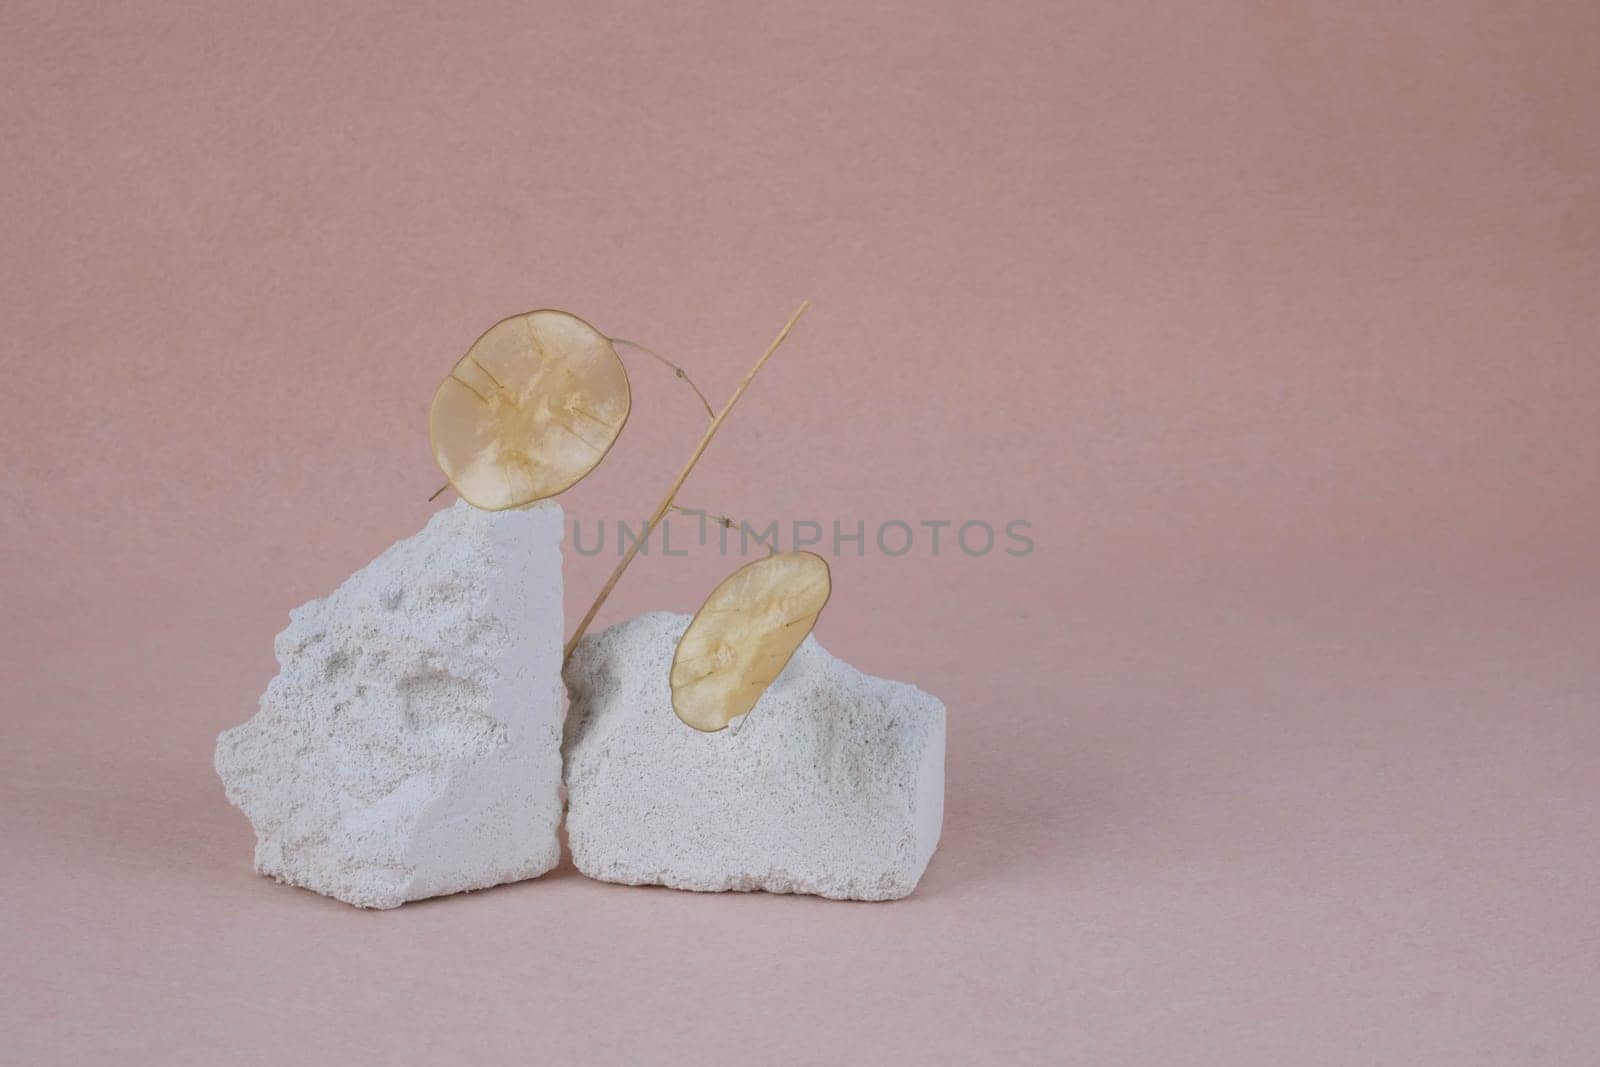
(1278, 321)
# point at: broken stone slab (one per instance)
(833, 784)
(410, 745)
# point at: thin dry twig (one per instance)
(677, 483)
(676, 370)
(720, 520)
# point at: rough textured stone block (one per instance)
(833, 785)
(410, 745)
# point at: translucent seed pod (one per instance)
(744, 634)
(534, 405)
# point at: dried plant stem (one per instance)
(677, 483)
(721, 520)
(676, 370)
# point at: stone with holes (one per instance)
(833, 784)
(410, 745)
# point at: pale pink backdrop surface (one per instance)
(1278, 321)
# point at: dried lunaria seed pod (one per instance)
(744, 634)
(532, 407)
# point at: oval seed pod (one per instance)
(532, 407)
(744, 634)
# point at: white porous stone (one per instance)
(833, 785)
(410, 745)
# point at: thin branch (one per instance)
(683, 475)
(720, 520)
(677, 370)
